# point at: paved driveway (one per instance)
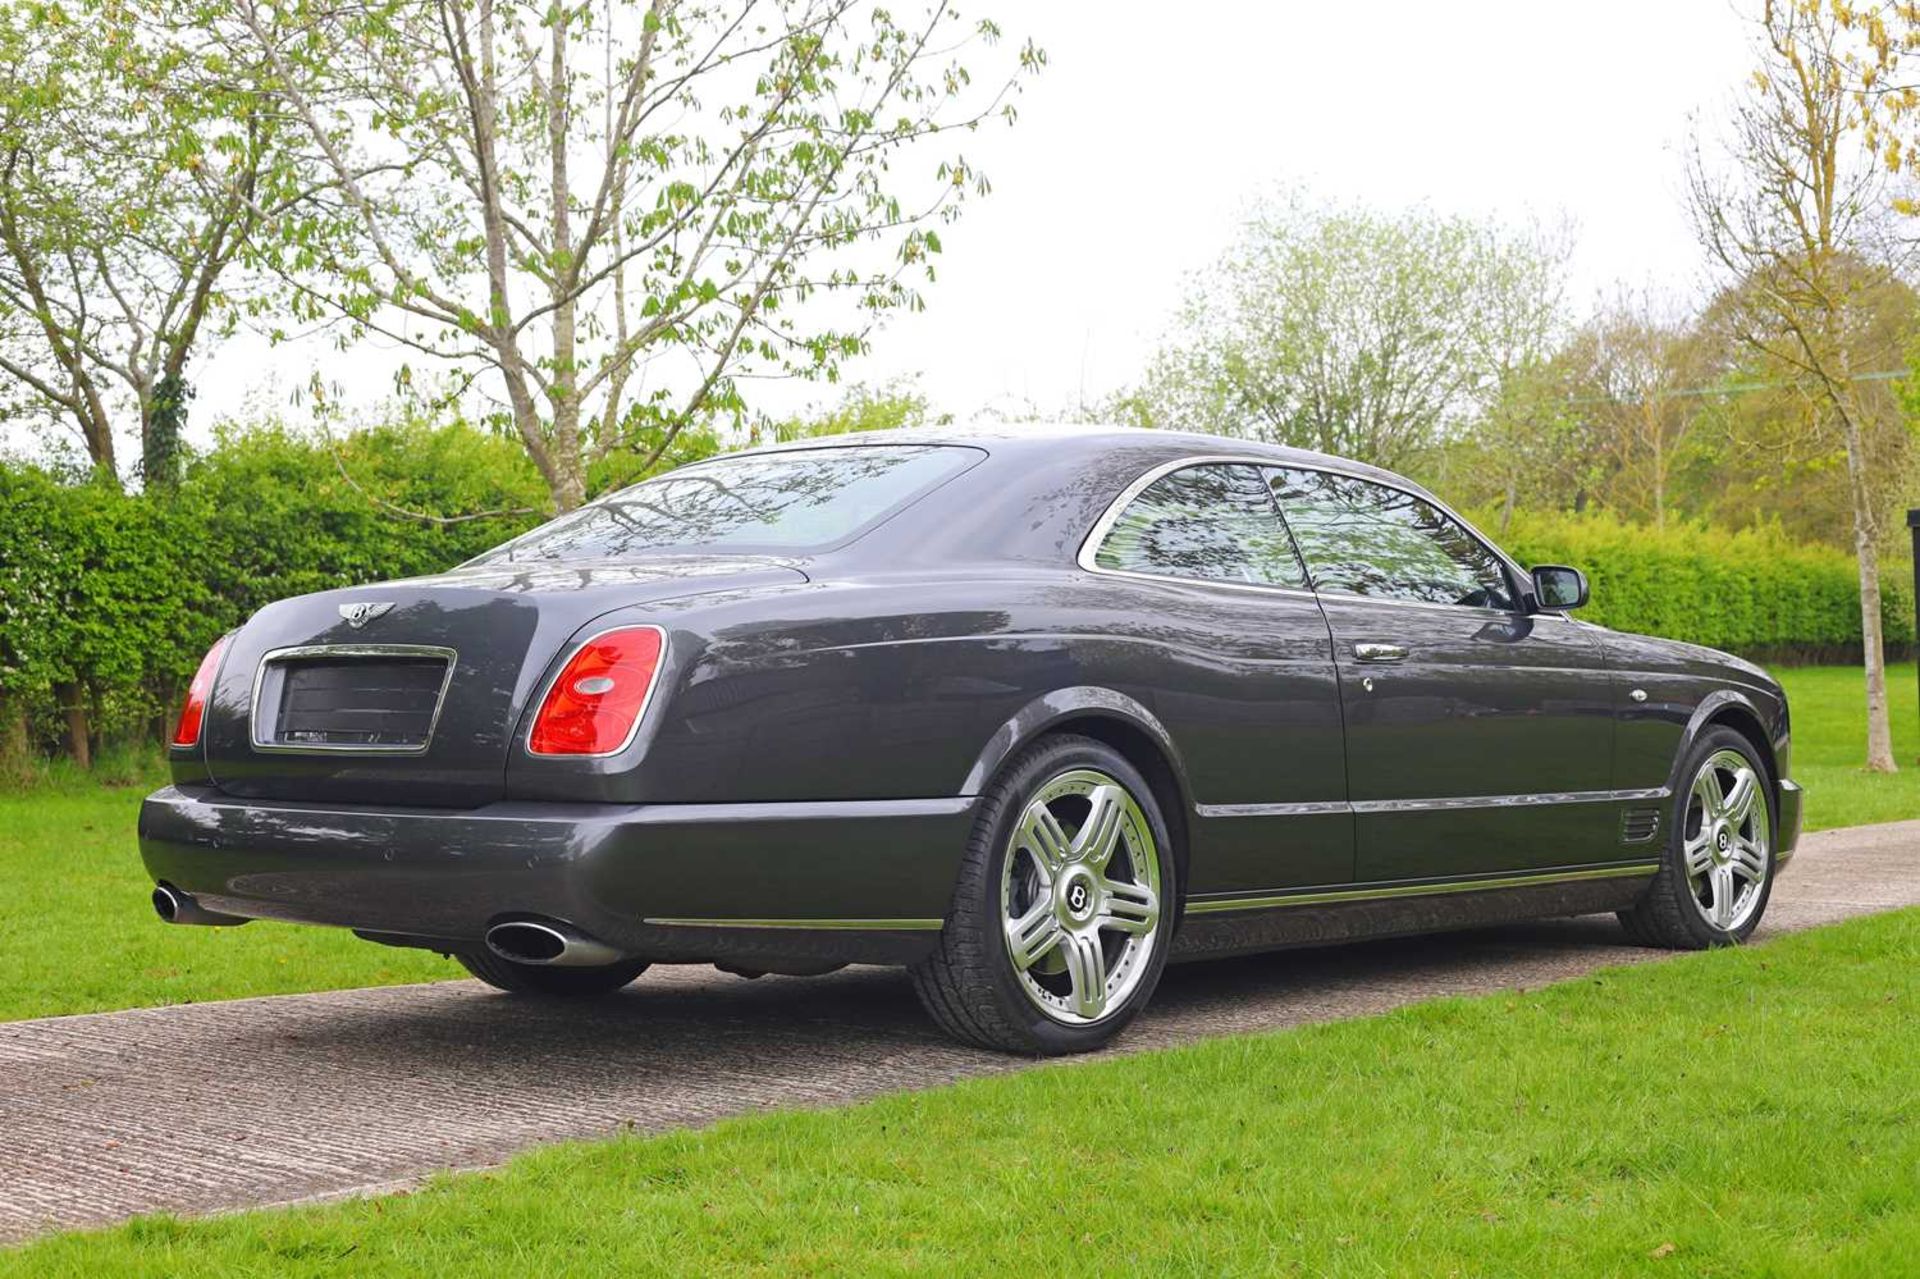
(218, 1106)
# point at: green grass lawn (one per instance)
(1830, 745)
(78, 935)
(1757, 1113)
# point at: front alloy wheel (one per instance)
(1726, 841)
(1059, 925)
(1717, 872)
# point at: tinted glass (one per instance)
(776, 501)
(1362, 538)
(1210, 522)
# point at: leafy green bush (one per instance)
(108, 599)
(1754, 591)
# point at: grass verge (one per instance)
(77, 934)
(1830, 745)
(1746, 1112)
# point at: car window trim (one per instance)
(1102, 526)
(1090, 546)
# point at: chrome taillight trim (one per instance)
(564, 660)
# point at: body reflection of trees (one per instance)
(783, 500)
(1362, 538)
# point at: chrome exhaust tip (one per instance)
(529, 941)
(176, 907)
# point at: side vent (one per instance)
(1639, 825)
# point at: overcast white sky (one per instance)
(1138, 147)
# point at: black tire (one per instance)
(1670, 915)
(969, 985)
(546, 979)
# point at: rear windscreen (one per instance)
(801, 500)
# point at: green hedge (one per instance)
(1753, 592)
(108, 599)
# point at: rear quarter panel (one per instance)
(900, 688)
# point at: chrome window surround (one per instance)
(562, 662)
(349, 651)
(1090, 546)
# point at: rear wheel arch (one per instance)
(1115, 720)
(1145, 753)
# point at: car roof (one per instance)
(1041, 435)
(1039, 488)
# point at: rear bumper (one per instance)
(846, 880)
(1792, 798)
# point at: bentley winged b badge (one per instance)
(358, 615)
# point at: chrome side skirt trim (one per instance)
(1315, 808)
(1318, 808)
(825, 925)
(1507, 801)
(1317, 898)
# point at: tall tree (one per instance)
(609, 212)
(133, 174)
(1637, 370)
(1353, 332)
(1794, 208)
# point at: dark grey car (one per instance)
(1030, 712)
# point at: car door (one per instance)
(1224, 639)
(1479, 736)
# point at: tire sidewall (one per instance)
(1015, 789)
(1709, 743)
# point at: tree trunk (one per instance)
(166, 701)
(73, 709)
(15, 747)
(1872, 641)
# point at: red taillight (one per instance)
(187, 731)
(595, 704)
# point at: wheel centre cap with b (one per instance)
(1077, 897)
(1722, 844)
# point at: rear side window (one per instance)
(1211, 522)
(1361, 538)
(795, 501)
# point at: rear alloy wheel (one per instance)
(1058, 931)
(1718, 872)
(550, 980)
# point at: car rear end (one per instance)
(427, 761)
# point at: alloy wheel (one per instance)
(1080, 896)
(1727, 841)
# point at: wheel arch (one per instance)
(1730, 709)
(1115, 720)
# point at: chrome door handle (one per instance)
(1380, 652)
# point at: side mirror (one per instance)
(1558, 589)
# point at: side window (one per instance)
(1212, 522)
(1361, 538)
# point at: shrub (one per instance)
(108, 599)
(1753, 591)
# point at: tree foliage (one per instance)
(136, 166)
(1795, 209)
(608, 214)
(1339, 329)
